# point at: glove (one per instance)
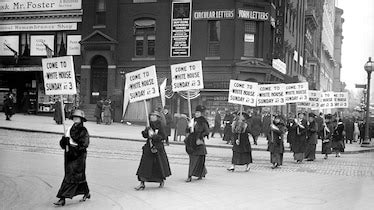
(64, 142)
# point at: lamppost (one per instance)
(369, 67)
(123, 75)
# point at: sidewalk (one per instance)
(121, 131)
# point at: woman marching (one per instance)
(326, 136)
(337, 143)
(275, 142)
(154, 164)
(310, 153)
(75, 144)
(242, 151)
(299, 143)
(198, 129)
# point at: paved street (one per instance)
(31, 171)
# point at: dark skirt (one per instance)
(337, 146)
(239, 158)
(197, 166)
(326, 148)
(69, 190)
(276, 158)
(298, 156)
(310, 152)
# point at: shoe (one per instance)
(85, 197)
(200, 178)
(60, 202)
(140, 187)
(274, 166)
(338, 155)
(309, 160)
(189, 179)
(232, 169)
(162, 183)
(325, 157)
(247, 169)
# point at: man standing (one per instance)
(310, 153)
(168, 121)
(8, 106)
(217, 124)
(256, 125)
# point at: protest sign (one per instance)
(59, 77)
(242, 92)
(313, 101)
(296, 92)
(327, 100)
(340, 99)
(271, 95)
(142, 84)
(187, 76)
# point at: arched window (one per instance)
(145, 37)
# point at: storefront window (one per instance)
(145, 39)
(250, 29)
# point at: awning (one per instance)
(21, 69)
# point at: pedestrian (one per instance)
(227, 131)
(242, 151)
(349, 129)
(107, 112)
(266, 121)
(362, 127)
(181, 123)
(356, 131)
(75, 144)
(154, 164)
(98, 111)
(327, 129)
(256, 125)
(8, 106)
(275, 142)
(337, 143)
(319, 120)
(168, 122)
(217, 124)
(57, 114)
(291, 133)
(198, 129)
(299, 144)
(311, 143)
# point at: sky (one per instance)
(358, 42)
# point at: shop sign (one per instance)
(340, 99)
(73, 45)
(187, 76)
(313, 101)
(249, 38)
(58, 75)
(142, 84)
(296, 92)
(180, 29)
(248, 14)
(40, 27)
(242, 92)
(8, 44)
(271, 95)
(37, 48)
(280, 66)
(217, 14)
(38, 5)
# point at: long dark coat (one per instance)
(266, 121)
(256, 125)
(98, 109)
(201, 130)
(242, 152)
(299, 143)
(326, 136)
(291, 135)
(312, 133)
(9, 106)
(74, 182)
(227, 131)
(349, 128)
(337, 143)
(57, 115)
(169, 121)
(154, 167)
(275, 144)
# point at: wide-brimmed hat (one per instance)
(156, 113)
(200, 108)
(79, 113)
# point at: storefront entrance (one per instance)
(99, 79)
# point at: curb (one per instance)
(170, 142)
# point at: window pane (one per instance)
(139, 44)
(151, 45)
(250, 27)
(100, 18)
(214, 30)
(100, 5)
(249, 49)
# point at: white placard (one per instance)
(37, 47)
(296, 92)
(271, 95)
(40, 27)
(242, 92)
(142, 84)
(73, 45)
(340, 99)
(59, 76)
(313, 102)
(249, 38)
(187, 76)
(12, 42)
(38, 5)
(327, 100)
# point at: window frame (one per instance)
(143, 33)
(211, 43)
(255, 39)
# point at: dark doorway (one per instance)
(99, 79)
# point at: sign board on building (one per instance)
(249, 14)
(340, 99)
(59, 76)
(242, 92)
(327, 100)
(313, 102)
(296, 92)
(280, 66)
(37, 48)
(73, 45)
(40, 27)
(180, 41)
(271, 95)
(249, 38)
(217, 14)
(9, 43)
(361, 86)
(38, 5)
(187, 76)
(142, 84)
(295, 56)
